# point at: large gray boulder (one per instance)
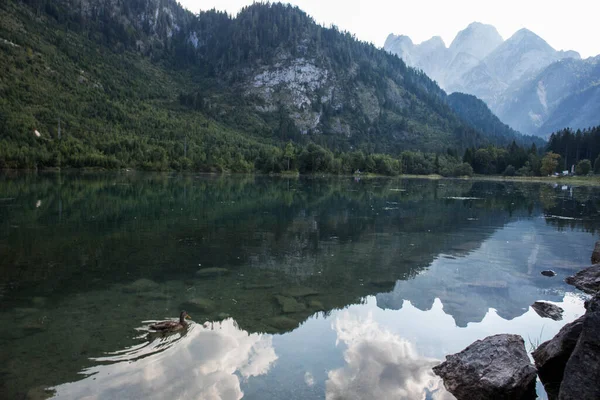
(593, 304)
(552, 356)
(581, 379)
(496, 367)
(587, 280)
(596, 253)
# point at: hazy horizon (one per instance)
(563, 28)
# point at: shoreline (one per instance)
(590, 180)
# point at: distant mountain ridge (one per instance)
(148, 84)
(512, 76)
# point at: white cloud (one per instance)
(380, 364)
(203, 364)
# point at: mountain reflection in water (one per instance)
(312, 287)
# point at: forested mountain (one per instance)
(476, 112)
(146, 83)
(523, 80)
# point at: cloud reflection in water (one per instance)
(380, 365)
(203, 364)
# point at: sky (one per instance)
(565, 25)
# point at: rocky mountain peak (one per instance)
(522, 79)
(403, 47)
(397, 39)
(524, 37)
(435, 42)
(570, 54)
(476, 39)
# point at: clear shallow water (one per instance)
(299, 288)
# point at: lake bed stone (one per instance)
(154, 296)
(289, 304)
(198, 304)
(316, 305)
(222, 315)
(212, 272)
(39, 301)
(141, 285)
(300, 291)
(282, 323)
(254, 286)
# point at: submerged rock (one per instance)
(39, 301)
(40, 393)
(22, 312)
(253, 286)
(282, 323)
(198, 304)
(551, 356)
(496, 367)
(383, 284)
(222, 315)
(547, 310)
(581, 380)
(289, 304)
(141, 285)
(316, 305)
(300, 291)
(587, 280)
(549, 273)
(154, 296)
(212, 272)
(596, 253)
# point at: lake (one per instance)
(298, 288)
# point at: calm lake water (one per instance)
(298, 288)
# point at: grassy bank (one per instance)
(593, 180)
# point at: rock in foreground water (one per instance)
(581, 379)
(587, 280)
(496, 367)
(596, 253)
(547, 310)
(552, 356)
(593, 304)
